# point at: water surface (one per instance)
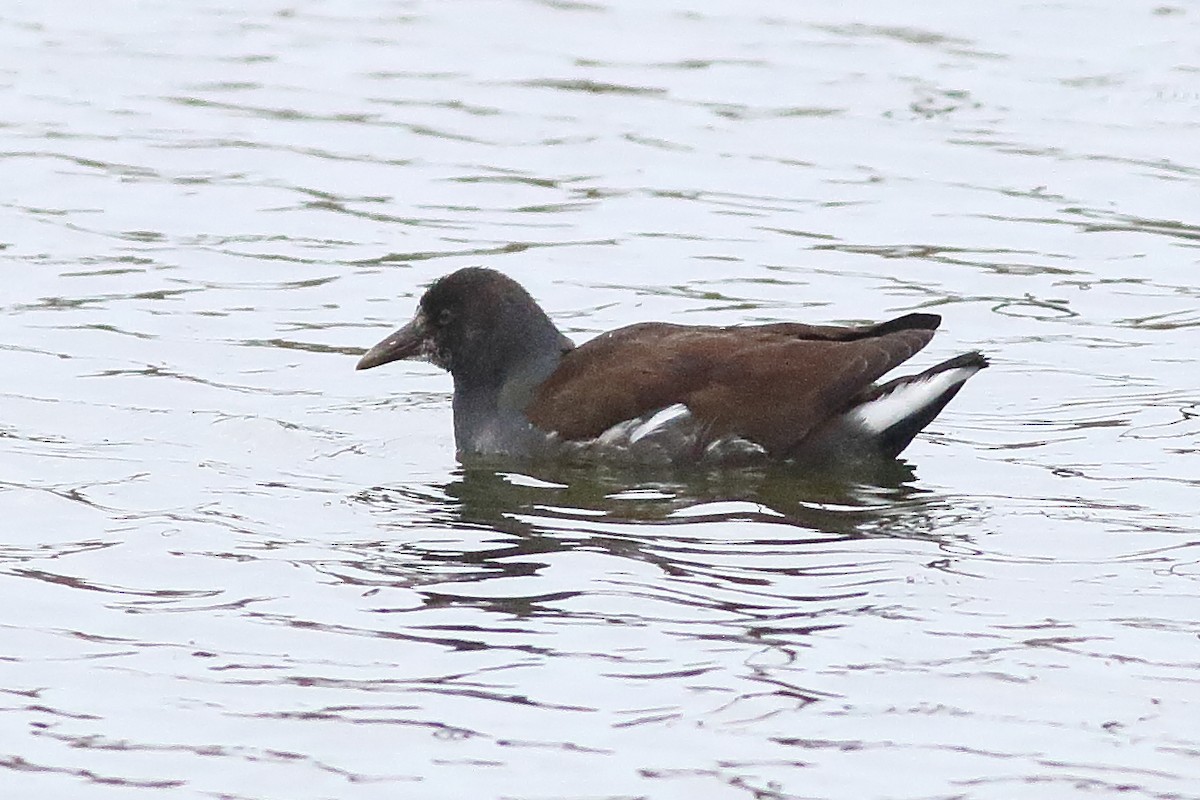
(231, 567)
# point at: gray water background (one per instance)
(232, 567)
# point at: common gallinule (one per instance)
(665, 393)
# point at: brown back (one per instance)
(773, 384)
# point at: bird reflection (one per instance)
(880, 499)
(749, 528)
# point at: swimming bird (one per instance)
(662, 393)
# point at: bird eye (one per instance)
(444, 316)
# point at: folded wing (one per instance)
(771, 384)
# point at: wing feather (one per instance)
(772, 384)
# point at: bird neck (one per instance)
(490, 402)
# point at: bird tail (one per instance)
(894, 412)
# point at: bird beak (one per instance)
(411, 341)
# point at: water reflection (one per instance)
(729, 530)
(840, 505)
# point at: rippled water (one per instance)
(234, 568)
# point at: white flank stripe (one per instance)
(618, 434)
(659, 420)
(732, 447)
(882, 413)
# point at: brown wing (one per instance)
(773, 384)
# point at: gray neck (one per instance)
(489, 416)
